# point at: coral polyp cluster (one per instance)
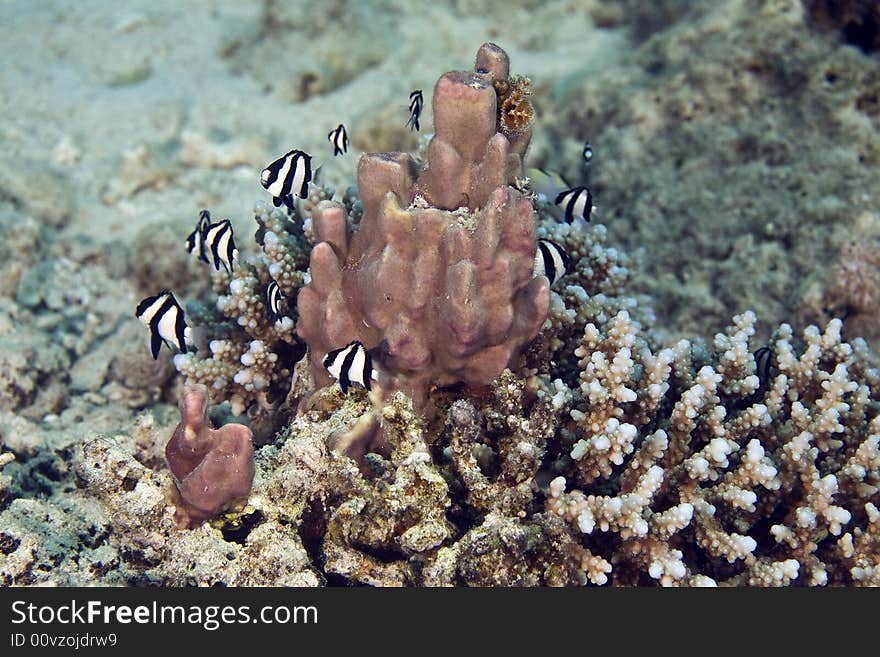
(515, 111)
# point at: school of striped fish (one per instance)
(289, 177)
(216, 239)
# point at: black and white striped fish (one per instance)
(351, 364)
(220, 241)
(274, 298)
(587, 152)
(551, 261)
(764, 365)
(288, 175)
(576, 202)
(339, 139)
(164, 317)
(416, 102)
(195, 243)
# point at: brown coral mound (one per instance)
(442, 289)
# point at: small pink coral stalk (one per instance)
(213, 468)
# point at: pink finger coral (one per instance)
(438, 279)
(213, 468)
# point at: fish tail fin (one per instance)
(180, 330)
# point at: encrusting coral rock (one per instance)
(213, 468)
(439, 276)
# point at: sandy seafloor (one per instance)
(736, 155)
